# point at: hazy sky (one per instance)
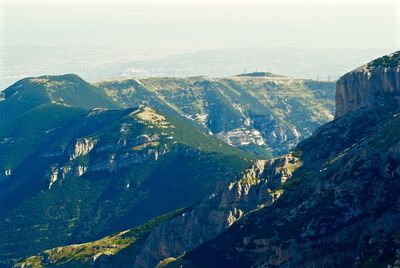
(203, 24)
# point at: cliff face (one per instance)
(367, 86)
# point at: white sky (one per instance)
(203, 24)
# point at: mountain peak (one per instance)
(369, 85)
(66, 90)
(46, 81)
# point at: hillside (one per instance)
(73, 174)
(261, 113)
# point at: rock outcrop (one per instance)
(368, 85)
(256, 187)
(83, 147)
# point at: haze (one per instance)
(202, 24)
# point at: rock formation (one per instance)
(256, 187)
(367, 86)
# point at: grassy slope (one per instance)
(68, 90)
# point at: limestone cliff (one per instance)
(368, 85)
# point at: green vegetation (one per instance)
(388, 61)
(67, 90)
(47, 119)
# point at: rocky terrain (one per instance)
(255, 188)
(332, 202)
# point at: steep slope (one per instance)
(258, 112)
(72, 174)
(341, 208)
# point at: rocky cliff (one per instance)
(368, 85)
(256, 187)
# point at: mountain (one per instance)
(66, 90)
(81, 161)
(259, 112)
(340, 206)
(75, 167)
(332, 202)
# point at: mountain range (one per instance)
(202, 172)
(80, 160)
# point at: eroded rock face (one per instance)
(255, 187)
(241, 136)
(53, 176)
(108, 156)
(83, 147)
(276, 133)
(366, 86)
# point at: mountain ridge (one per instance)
(339, 209)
